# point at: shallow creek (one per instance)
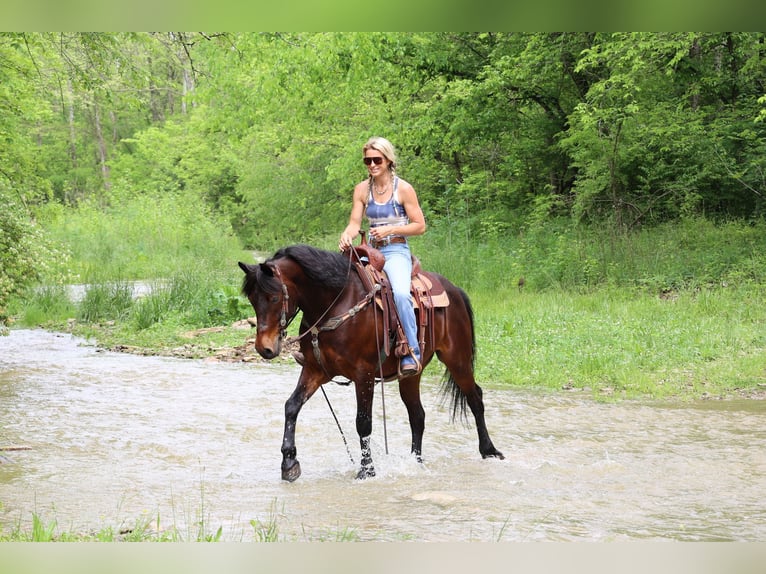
(97, 439)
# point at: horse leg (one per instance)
(409, 391)
(364, 395)
(307, 385)
(476, 404)
(462, 377)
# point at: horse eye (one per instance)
(275, 299)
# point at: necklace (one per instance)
(382, 191)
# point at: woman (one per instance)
(392, 208)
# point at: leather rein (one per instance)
(330, 324)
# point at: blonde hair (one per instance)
(383, 146)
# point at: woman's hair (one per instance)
(383, 146)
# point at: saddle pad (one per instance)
(428, 292)
(419, 289)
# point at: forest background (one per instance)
(600, 196)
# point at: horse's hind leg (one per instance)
(461, 377)
(476, 404)
(409, 391)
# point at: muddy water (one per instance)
(115, 439)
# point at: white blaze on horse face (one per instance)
(268, 326)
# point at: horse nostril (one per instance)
(267, 352)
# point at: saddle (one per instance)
(426, 292)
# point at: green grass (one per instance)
(149, 528)
(672, 311)
(47, 303)
(612, 342)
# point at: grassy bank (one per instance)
(615, 343)
(674, 311)
(691, 344)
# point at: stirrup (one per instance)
(410, 370)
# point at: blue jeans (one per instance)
(398, 267)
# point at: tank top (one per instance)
(389, 213)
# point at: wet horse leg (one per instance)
(476, 404)
(306, 387)
(462, 377)
(409, 391)
(364, 395)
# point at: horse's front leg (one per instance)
(364, 395)
(307, 386)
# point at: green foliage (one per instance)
(560, 255)
(26, 253)
(44, 304)
(265, 128)
(40, 531)
(618, 343)
(190, 298)
(662, 131)
(106, 302)
(142, 237)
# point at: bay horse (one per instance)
(345, 341)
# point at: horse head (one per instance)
(268, 294)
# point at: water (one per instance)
(115, 439)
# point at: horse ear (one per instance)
(245, 267)
(267, 269)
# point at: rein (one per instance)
(331, 324)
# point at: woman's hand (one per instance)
(378, 233)
(346, 240)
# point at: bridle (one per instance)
(284, 320)
(330, 324)
(333, 323)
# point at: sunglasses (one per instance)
(369, 160)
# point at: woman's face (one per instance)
(375, 161)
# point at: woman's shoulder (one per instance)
(405, 186)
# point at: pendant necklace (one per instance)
(381, 192)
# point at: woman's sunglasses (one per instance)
(369, 160)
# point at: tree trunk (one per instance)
(72, 136)
(101, 145)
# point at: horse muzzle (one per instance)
(268, 348)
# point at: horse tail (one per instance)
(450, 388)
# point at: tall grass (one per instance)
(46, 303)
(188, 255)
(143, 237)
(675, 309)
(561, 256)
(106, 302)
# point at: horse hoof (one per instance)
(291, 474)
(493, 454)
(365, 472)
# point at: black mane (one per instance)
(328, 268)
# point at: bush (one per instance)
(25, 251)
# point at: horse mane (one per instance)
(256, 280)
(327, 268)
